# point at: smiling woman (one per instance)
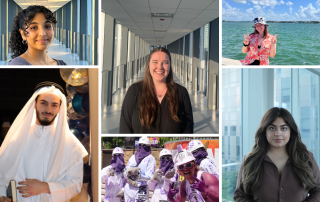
(157, 104)
(259, 45)
(31, 35)
(279, 163)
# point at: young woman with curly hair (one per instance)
(31, 35)
(157, 104)
(279, 167)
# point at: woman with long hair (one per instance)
(279, 167)
(32, 33)
(259, 45)
(157, 104)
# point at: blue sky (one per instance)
(279, 10)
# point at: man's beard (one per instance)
(44, 122)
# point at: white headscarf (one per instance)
(64, 145)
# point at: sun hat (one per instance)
(260, 20)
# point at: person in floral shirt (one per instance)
(259, 45)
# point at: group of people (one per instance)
(131, 183)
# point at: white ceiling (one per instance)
(53, 5)
(189, 15)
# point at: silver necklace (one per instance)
(160, 95)
(46, 62)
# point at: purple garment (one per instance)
(200, 155)
(141, 153)
(166, 165)
(118, 163)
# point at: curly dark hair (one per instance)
(22, 21)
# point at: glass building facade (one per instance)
(123, 55)
(78, 28)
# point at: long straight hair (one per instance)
(148, 102)
(297, 151)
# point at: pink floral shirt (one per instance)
(263, 53)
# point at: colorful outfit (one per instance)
(263, 53)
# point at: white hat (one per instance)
(165, 152)
(144, 140)
(194, 144)
(260, 20)
(117, 150)
(183, 157)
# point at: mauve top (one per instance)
(281, 188)
(21, 61)
(130, 122)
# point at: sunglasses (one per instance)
(187, 165)
(117, 155)
(143, 145)
(165, 157)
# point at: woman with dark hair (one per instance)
(157, 104)
(31, 35)
(259, 45)
(279, 167)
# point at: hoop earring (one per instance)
(24, 42)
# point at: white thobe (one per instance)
(147, 168)
(207, 165)
(113, 184)
(161, 188)
(34, 165)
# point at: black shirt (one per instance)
(130, 122)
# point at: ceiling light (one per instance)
(162, 15)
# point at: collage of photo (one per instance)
(149, 92)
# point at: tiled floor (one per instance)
(58, 51)
(206, 121)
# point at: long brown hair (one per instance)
(149, 102)
(266, 32)
(297, 151)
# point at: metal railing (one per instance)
(9, 49)
(68, 39)
(2, 47)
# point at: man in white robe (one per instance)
(40, 152)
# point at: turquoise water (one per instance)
(298, 44)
